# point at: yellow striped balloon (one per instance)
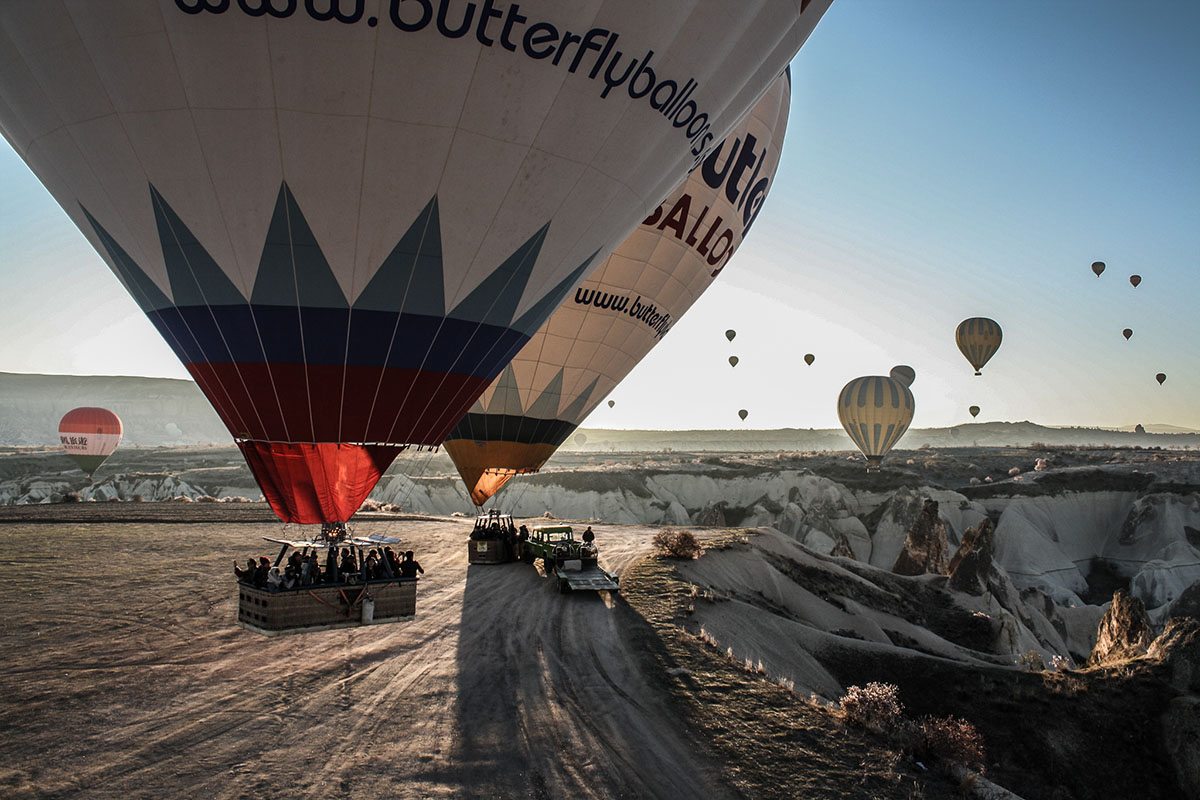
(876, 411)
(978, 338)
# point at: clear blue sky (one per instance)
(945, 159)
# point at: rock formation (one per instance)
(1179, 649)
(925, 545)
(1188, 604)
(1124, 631)
(972, 566)
(842, 548)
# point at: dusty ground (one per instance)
(125, 676)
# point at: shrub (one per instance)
(72, 497)
(676, 544)
(875, 706)
(953, 739)
(1031, 660)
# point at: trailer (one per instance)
(573, 564)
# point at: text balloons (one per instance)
(346, 225)
(89, 435)
(876, 411)
(978, 339)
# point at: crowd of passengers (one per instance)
(304, 570)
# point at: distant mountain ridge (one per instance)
(168, 411)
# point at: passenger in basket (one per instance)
(261, 572)
(409, 567)
(393, 563)
(331, 566)
(348, 566)
(274, 579)
(246, 575)
(290, 579)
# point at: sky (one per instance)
(944, 159)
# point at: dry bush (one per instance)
(1031, 660)
(953, 739)
(875, 706)
(72, 497)
(677, 544)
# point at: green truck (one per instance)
(572, 563)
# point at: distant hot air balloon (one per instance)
(729, 334)
(1128, 332)
(809, 358)
(733, 361)
(580, 438)
(1135, 280)
(743, 413)
(1161, 378)
(978, 339)
(876, 411)
(623, 309)
(612, 403)
(974, 411)
(89, 435)
(955, 432)
(1097, 267)
(346, 225)
(903, 373)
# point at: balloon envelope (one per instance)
(729, 334)
(612, 403)
(89, 435)
(1135, 280)
(974, 411)
(809, 358)
(345, 226)
(978, 339)
(1128, 332)
(623, 309)
(1161, 378)
(580, 438)
(903, 373)
(743, 413)
(876, 411)
(1097, 267)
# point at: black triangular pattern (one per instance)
(532, 319)
(144, 290)
(293, 270)
(495, 301)
(574, 412)
(411, 278)
(196, 280)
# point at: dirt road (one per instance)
(125, 676)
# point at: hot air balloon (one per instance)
(1161, 378)
(1128, 332)
(580, 438)
(1097, 267)
(346, 225)
(974, 411)
(729, 334)
(89, 435)
(876, 411)
(612, 403)
(1135, 280)
(903, 373)
(809, 358)
(733, 361)
(743, 413)
(623, 309)
(978, 339)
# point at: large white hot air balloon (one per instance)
(623, 309)
(346, 216)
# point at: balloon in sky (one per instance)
(903, 373)
(1161, 378)
(623, 309)
(89, 435)
(974, 411)
(978, 339)
(809, 358)
(743, 413)
(612, 403)
(729, 334)
(876, 411)
(346, 218)
(1135, 280)
(733, 361)
(580, 438)
(1128, 332)
(1097, 267)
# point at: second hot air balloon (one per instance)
(978, 339)
(623, 309)
(876, 411)
(90, 435)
